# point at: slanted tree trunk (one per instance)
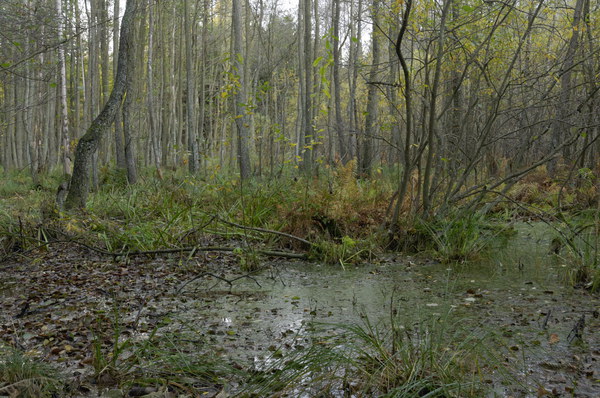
(89, 142)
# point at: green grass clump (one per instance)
(460, 237)
(25, 377)
(433, 359)
(345, 251)
(578, 245)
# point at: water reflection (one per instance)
(507, 296)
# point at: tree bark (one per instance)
(561, 127)
(64, 126)
(89, 142)
(194, 162)
(431, 148)
(241, 119)
(402, 188)
(337, 102)
(306, 64)
(372, 97)
(119, 149)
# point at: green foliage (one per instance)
(248, 259)
(459, 237)
(157, 359)
(346, 251)
(434, 358)
(578, 244)
(22, 376)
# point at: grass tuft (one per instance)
(24, 377)
(432, 359)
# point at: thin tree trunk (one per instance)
(306, 64)
(431, 148)
(337, 88)
(119, 148)
(194, 162)
(241, 119)
(372, 97)
(64, 125)
(561, 126)
(408, 103)
(154, 139)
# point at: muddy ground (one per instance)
(64, 303)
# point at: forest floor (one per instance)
(170, 289)
(187, 326)
(92, 315)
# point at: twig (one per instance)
(193, 230)
(228, 281)
(577, 331)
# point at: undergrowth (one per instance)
(340, 214)
(22, 376)
(434, 358)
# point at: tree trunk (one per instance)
(119, 149)
(64, 126)
(337, 102)
(241, 119)
(561, 127)
(154, 135)
(306, 64)
(402, 188)
(431, 149)
(89, 142)
(127, 135)
(194, 162)
(373, 97)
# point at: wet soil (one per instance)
(60, 303)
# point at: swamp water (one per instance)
(542, 336)
(518, 301)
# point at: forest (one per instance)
(322, 198)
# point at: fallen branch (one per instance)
(191, 249)
(228, 281)
(268, 231)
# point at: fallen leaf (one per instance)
(553, 339)
(542, 392)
